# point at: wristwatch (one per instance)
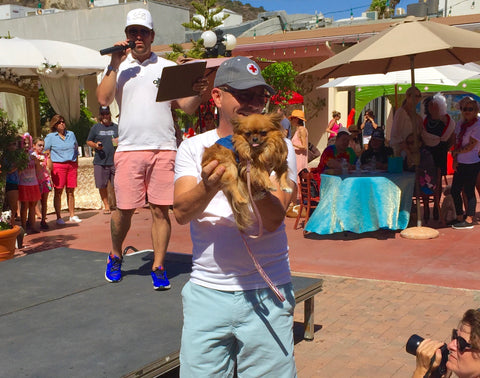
(110, 68)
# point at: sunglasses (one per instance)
(469, 109)
(59, 122)
(462, 344)
(134, 32)
(246, 96)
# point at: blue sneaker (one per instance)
(113, 273)
(160, 280)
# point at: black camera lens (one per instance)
(413, 343)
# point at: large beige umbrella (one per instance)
(414, 43)
(411, 44)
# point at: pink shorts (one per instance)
(147, 172)
(65, 174)
(29, 193)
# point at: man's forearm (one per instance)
(189, 104)
(106, 89)
(189, 205)
(272, 206)
(91, 144)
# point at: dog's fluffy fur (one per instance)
(7, 216)
(258, 138)
(447, 210)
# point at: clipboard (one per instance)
(177, 81)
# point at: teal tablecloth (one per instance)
(362, 203)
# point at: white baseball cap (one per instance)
(343, 129)
(141, 17)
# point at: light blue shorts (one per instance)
(250, 327)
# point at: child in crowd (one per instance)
(28, 189)
(43, 177)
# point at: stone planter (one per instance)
(7, 243)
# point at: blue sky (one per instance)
(337, 9)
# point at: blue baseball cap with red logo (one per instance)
(240, 73)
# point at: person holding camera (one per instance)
(103, 137)
(368, 126)
(460, 356)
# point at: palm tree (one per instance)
(208, 10)
(385, 8)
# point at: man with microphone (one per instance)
(145, 157)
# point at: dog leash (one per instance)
(259, 268)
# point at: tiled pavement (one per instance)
(362, 326)
(378, 289)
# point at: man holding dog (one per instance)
(145, 157)
(231, 316)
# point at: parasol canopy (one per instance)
(25, 56)
(411, 44)
(441, 75)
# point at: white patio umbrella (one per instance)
(414, 43)
(440, 75)
(24, 56)
(58, 66)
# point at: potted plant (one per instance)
(8, 160)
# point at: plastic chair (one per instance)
(309, 195)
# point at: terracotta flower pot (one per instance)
(7, 242)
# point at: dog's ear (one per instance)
(275, 118)
(236, 123)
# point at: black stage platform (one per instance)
(60, 318)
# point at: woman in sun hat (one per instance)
(300, 139)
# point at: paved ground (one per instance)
(379, 288)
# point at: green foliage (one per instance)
(9, 159)
(185, 120)
(196, 52)
(208, 9)
(385, 8)
(8, 135)
(80, 128)
(281, 76)
(46, 109)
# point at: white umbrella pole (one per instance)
(413, 118)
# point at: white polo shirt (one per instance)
(220, 259)
(144, 124)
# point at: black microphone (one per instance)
(113, 49)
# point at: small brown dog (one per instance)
(447, 210)
(259, 139)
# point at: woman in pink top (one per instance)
(333, 127)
